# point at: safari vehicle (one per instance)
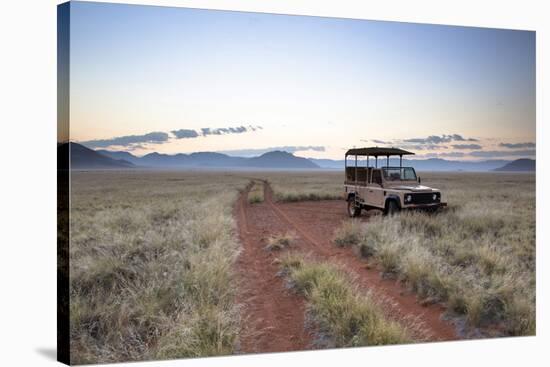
(388, 188)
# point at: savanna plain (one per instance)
(169, 264)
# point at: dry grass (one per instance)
(152, 253)
(478, 256)
(151, 266)
(342, 312)
(280, 242)
(256, 193)
(306, 186)
(349, 234)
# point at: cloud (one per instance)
(432, 142)
(237, 130)
(206, 131)
(502, 153)
(423, 147)
(255, 152)
(378, 141)
(228, 130)
(466, 146)
(517, 145)
(133, 147)
(185, 134)
(438, 139)
(131, 142)
(441, 155)
(128, 140)
(487, 154)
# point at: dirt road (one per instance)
(274, 316)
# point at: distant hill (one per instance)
(125, 156)
(285, 160)
(519, 165)
(279, 159)
(85, 158)
(270, 160)
(431, 164)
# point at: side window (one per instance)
(376, 177)
(350, 176)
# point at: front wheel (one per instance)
(392, 208)
(353, 209)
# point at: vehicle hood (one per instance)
(413, 187)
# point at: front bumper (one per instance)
(424, 206)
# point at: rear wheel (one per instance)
(392, 208)
(353, 209)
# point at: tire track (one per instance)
(274, 317)
(424, 321)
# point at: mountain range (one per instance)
(523, 165)
(430, 164)
(85, 158)
(276, 159)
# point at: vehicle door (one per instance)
(375, 193)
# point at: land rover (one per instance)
(388, 188)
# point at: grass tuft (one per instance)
(256, 193)
(478, 256)
(151, 263)
(280, 242)
(348, 234)
(346, 315)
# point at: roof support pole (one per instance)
(401, 161)
(368, 176)
(387, 161)
(376, 161)
(346, 168)
(356, 173)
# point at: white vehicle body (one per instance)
(387, 188)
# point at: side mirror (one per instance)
(419, 180)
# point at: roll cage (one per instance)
(356, 172)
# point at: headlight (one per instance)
(434, 197)
(408, 198)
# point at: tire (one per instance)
(353, 210)
(392, 208)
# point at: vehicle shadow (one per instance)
(49, 353)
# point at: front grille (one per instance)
(424, 198)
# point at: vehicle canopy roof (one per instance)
(377, 152)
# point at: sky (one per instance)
(177, 80)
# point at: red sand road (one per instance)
(275, 316)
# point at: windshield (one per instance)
(399, 174)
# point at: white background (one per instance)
(28, 182)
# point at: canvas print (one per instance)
(233, 182)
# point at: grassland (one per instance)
(256, 193)
(152, 260)
(478, 256)
(305, 186)
(280, 241)
(151, 264)
(341, 311)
